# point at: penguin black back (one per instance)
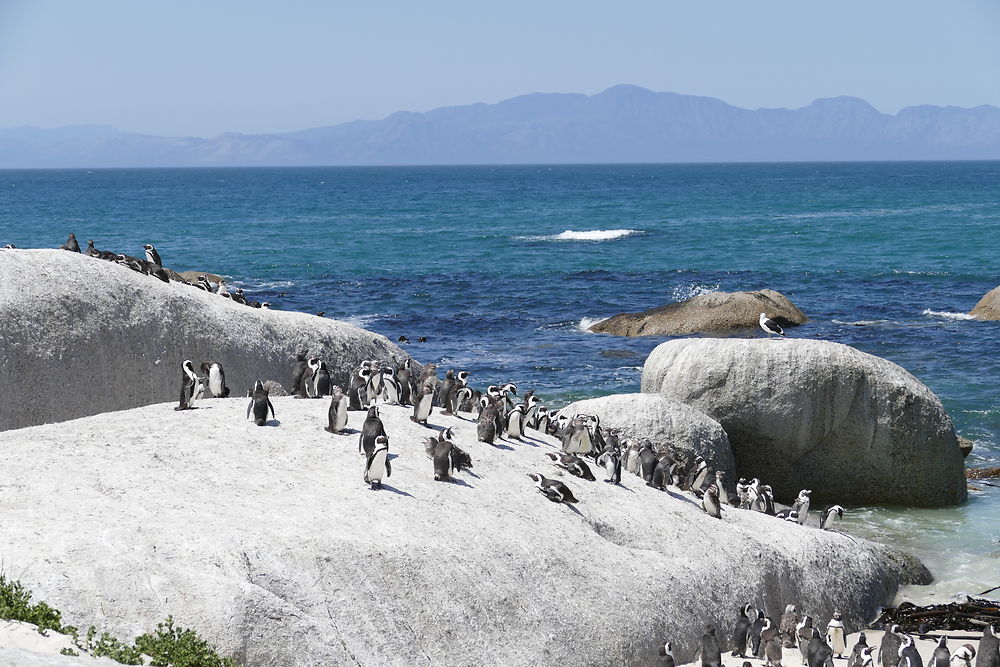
(371, 429)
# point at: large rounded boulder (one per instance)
(651, 418)
(715, 311)
(988, 307)
(804, 414)
(82, 336)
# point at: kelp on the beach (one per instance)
(973, 614)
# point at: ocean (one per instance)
(503, 268)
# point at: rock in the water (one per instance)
(988, 307)
(965, 445)
(651, 418)
(191, 276)
(715, 311)
(269, 544)
(807, 414)
(82, 336)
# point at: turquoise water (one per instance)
(501, 266)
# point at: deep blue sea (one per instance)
(501, 268)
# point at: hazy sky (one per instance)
(181, 67)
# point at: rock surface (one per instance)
(806, 414)
(266, 541)
(988, 307)
(82, 336)
(643, 418)
(715, 311)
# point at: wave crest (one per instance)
(948, 316)
(587, 235)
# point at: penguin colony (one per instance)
(153, 266)
(756, 636)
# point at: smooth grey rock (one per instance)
(267, 542)
(82, 336)
(807, 414)
(715, 311)
(651, 418)
(13, 657)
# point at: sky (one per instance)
(184, 68)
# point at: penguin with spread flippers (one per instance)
(259, 404)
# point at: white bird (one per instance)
(770, 326)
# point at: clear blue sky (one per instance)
(200, 68)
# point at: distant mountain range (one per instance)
(622, 124)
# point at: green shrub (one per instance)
(178, 647)
(15, 605)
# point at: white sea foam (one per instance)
(360, 321)
(860, 323)
(948, 316)
(589, 235)
(685, 292)
(588, 322)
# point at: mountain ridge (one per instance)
(624, 123)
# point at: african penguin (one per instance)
(612, 463)
(711, 654)
(553, 489)
(572, 464)
(989, 648)
(801, 505)
(831, 512)
(741, 633)
(836, 637)
(756, 627)
(666, 657)
(909, 656)
(786, 626)
(889, 649)
(71, 244)
(770, 644)
(216, 378)
(377, 464)
(515, 422)
(857, 659)
(260, 403)
(190, 386)
(486, 425)
(710, 503)
(370, 430)
(963, 656)
(152, 255)
(337, 414)
(422, 404)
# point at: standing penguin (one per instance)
(152, 255)
(191, 386)
(804, 633)
(321, 380)
(577, 438)
(357, 392)
(370, 430)
(710, 503)
(786, 626)
(770, 643)
(756, 627)
(909, 656)
(449, 459)
(941, 656)
(422, 404)
(835, 636)
(515, 422)
(831, 512)
(260, 403)
(819, 654)
(486, 426)
(298, 370)
(647, 463)
(612, 463)
(404, 380)
(857, 657)
(71, 244)
(374, 388)
(989, 648)
(802, 505)
(666, 657)
(216, 378)
(661, 473)
(711, 654)
(391, 389)
(337, 414)
(888, 651)
(377, 465)
(444, 389)
(741, 633)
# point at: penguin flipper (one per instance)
(249, 407)
(270, 406)
(388, 466)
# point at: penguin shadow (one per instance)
(685, 497)
(348, 431)
(272, 422)
(618, 485)
(573, 508)
(392, 489)
(497, 445)
(525, 440)
(472, 474)
(460, 482)
(391, 457)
